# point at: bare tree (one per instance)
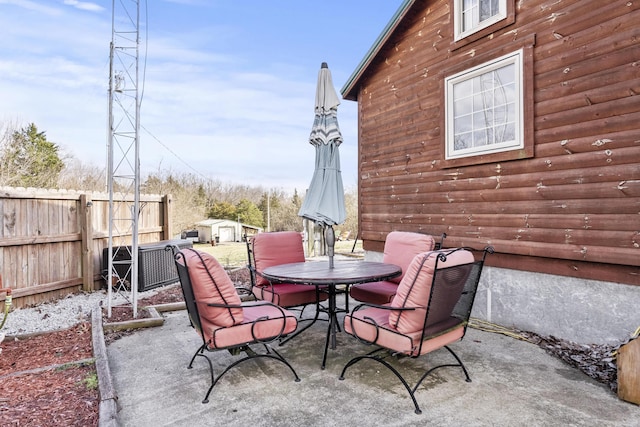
(351, 205)
(189, 196)
(193, 195)
(6, 130)
(79, 176)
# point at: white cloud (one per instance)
(33, 6)
(214, 108)
(83, 5)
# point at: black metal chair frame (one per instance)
(381, 353)
(436, 247)
(194, 318)
(439, 244)
(253, 272)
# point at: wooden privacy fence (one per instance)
(51, 242)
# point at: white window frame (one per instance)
(460, 33)
(515, 58)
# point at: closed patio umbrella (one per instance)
(324, 201)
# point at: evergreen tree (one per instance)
(249, 213)
(222, 210)
(29, 160)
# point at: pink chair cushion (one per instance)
(379, 293)
(212, 285)
(276, 248)
(415, 289)
(387, 336)
(269, 323)
(288, 294)
(401, 246)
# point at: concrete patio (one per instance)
(514, 383)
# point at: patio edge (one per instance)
(108, 397)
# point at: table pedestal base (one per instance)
(328, 280)
(334, 325)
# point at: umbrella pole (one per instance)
(330, 239)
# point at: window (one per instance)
(484, 108)
(471, 16)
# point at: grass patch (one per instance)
(234, 254)
(91, 381)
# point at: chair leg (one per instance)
(459, 364)
(464, 369)
(250, 355)
(302, 311)
(299, 331)
(213, 378)
(199, 352)
(379, 359)
(283, 360)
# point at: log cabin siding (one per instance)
(573, 206)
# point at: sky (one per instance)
(228, 87)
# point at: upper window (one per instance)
(484, 108)
(471, 16)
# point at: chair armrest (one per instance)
(257, 303)
(371, 321)
(383, 307)
(213, 304)
(253, 303)
(283, 317)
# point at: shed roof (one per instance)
(212, 221)
(349, 90)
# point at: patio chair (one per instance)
(222, 320)
(430, 310)
(399, 248)
(276, 248)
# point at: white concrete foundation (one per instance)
(578, 310)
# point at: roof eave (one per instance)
(349, 91)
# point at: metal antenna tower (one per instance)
(124, 152)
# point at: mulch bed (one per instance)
(596, 361)
(49, 379)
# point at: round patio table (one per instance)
(319, 274)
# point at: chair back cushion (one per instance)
(212, 285)
(400, 247)
(276, 248)
(415, 288)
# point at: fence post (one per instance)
(167, 229)
(86, 231)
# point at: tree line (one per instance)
(29, 159)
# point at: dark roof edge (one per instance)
(349, 86)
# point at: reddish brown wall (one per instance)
(571, 206)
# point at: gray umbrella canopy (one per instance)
(324, 201)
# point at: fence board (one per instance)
(51, 241)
